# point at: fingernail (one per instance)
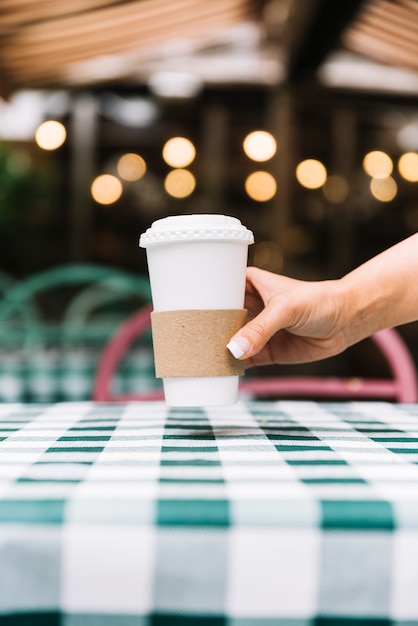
(238, 346)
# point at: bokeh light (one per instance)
(179, 152)
(50, 135)
(106, 189)
(259, 145)
(267, 255)
(311, 173)
(179, 183)
(335, 189)
(260, 186)
(384, 189)
(378, 164)
(408, 166)
(131, 166)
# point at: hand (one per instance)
(293, 321)
(290, 321)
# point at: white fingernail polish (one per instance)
(238, 346)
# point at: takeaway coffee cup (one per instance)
(197, 267)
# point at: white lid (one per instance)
(196, 227)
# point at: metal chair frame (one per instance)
(402, 387)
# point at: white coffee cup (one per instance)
(198, 261)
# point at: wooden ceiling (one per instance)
(72, 42)
(76, 43)
(386, 31)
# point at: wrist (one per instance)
(365, 304)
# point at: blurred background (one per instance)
(298, 117)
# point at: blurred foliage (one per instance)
(28, 189)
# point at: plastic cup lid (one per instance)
(196, 227)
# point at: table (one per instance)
(258, 514)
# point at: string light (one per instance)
(378, 164)
(408, 166)
(50, 135)
(179, 152)
(106, 189)
(180, 183)
(384, 189)
(259, 145)
(311, 173)
(131, 166)
(260, 186)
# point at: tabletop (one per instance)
(258, 514)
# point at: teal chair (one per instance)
(59, 320)
(25, 294)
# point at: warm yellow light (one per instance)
(378, 164)
(335, 189)
(131, 166)
(260, 145)
(408, 166)
(50, 135)
(179, 183)
(260, 186)
(179, 152)
(106, 189)
(311, 173)
(384, 189)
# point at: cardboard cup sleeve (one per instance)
(192, 343)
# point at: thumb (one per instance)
(252, 337)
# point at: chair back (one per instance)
(115, 350)
(54, 323)
(402, 386)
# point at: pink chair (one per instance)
(112, 354)
(401, 387)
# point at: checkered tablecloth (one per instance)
(259, 514)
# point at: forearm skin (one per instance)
(383, 292)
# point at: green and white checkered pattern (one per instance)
(258, 514)
(55, 373)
